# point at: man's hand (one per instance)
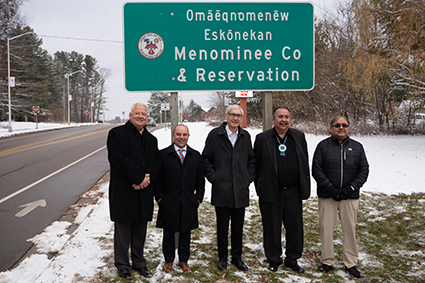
(136, 187)
(146, 181)
(347, 191)
(335, 194)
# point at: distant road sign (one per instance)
(35, 109)
(244, 93)
(218, 46)
(165, 106)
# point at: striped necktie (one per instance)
(181, 156)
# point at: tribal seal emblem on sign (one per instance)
(151, 45)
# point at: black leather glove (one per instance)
(335, 194)
(347, 191)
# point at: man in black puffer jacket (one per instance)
(340, 169)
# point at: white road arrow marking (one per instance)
(30, 207)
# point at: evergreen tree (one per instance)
(9, 19)
(195, 110)
(86, 85)
(32, 68)
(154, 105)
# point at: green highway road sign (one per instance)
(218, 46)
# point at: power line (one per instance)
(76, 38)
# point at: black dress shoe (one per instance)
(272, 267)
(125, 273)
(240, 265)
(353, 271)
(325, 268)
(143, 271)
(222, 264)
(295, 268)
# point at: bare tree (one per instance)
(219, 100)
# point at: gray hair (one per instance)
(234, 106)
(180, 125)
(135, 104)
(337, 117)
(280, 107)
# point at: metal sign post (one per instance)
(36, 109)
(165, 107)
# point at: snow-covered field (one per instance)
(396, 166)
(29, 127)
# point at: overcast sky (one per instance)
(102, 20)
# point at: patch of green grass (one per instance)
(390, 238)
(395, 236)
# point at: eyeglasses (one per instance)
(232, 115)
(339, 125)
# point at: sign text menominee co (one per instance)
(271, 74)
(216, 45)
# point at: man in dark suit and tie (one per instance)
(282, 181)
(179, 190)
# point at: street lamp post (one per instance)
(8, 76)
(67, 78)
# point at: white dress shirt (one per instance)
(232, 136)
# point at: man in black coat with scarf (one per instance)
(282, 182)
(179, 190)
(135, 163)
(229, 164)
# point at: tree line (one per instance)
(40, 78)
(369, 67)
(193, 109)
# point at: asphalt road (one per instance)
(41, 176)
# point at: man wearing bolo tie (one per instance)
(282, 181)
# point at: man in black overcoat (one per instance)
(179, 190)
(282, 181)
(135, 163)
(229, 165)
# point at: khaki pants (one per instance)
(347, 211)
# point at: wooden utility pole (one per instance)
(174, 111)
(267, 110)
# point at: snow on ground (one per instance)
(30, 127)
(396, 166)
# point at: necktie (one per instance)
(181, 156)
